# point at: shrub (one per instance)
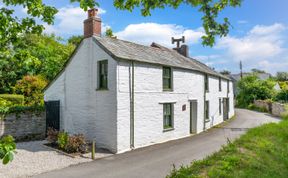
(7, 149)
(52, 135)
(31, 87)
(76, 143)
(256, 108)
(282, 95)
(15, 99)
(62, 139)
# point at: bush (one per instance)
(62, 139)
(52, 135)
(7, 149)
(15, 99)
(282, 96)
(76, 143)
(31, 87)
(256, 108)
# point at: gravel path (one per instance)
(33, 158)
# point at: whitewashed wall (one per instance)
(84, 109)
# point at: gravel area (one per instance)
(33, 158)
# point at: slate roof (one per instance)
(155, 54)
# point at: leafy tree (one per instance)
(33, 55)
(31, 87)
(75, 40)
(7, 149)
(257, 71)
(11, 26)
(225, 72)
(282, 76)
(252, 88)
(209, 8)
(109, 32)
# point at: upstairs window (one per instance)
(220, 84)
(103, 74)
(167, 78)
(168, 116)
(206, 83)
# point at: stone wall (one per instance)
(274, 108)
(26, 126)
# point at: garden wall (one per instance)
(24, 126)
(274, 108)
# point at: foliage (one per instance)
(209, 8)
(7, 149)
(62, 139)
(256, 108)
(75, 40)
(109, 32)
(261, 152)
(52, 135)
(282, 76)
(4, 106)
(76, 143)
(258, 71)
(282, 95)
(11, 26)
(225, 72)
(252, 88)
(31, 87)
(15, 99)
(33, 55)
(283, 85)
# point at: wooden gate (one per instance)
(52, 114)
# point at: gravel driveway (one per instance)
(33, 158)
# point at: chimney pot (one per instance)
(92, 25)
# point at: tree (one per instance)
(75, 39)
(282, 76)
(209, 8)
(33, 55)
(109, 32)
(258, 71)
(225, 72)
(11, 26)
(252, 88)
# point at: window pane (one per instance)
(102, 74)
(167, 115)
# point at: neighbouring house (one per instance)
(125, 95)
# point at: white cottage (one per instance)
(125, 95)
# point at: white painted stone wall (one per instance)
(149, 96)
(84, 109)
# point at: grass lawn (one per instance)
(262, 152)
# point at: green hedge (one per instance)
(15, 99)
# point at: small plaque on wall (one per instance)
(184, 107)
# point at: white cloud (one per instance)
(262, 47)
(146, 33)
(69, 20)
(260, 43)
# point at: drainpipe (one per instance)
(131, 75)
(204, 119)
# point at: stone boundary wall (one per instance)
(274, 108)
(24, 126)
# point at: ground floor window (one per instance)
(168, 116)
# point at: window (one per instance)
(220, 84)
(206, 83)
(103, 74)
(206, 110)
(228, 87)
(168, 116)
(220, 106)
(167, 78)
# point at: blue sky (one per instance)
(258, 36)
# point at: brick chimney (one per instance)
(92, 25)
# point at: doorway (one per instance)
(225, 108)
(193, 116)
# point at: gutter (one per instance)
(131, 92)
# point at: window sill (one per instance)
(102, 89)
(167, 90)
(168, 129)
(207, 120)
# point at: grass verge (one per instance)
(261, 152)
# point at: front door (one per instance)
(193, 116)
(226, 108)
